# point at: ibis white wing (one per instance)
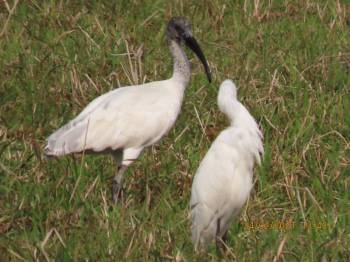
(221, 186)
(134, 116)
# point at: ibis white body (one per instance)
(223, 181)
(128, 118)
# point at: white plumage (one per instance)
(130, 117)
(223, 180)
(124, 121)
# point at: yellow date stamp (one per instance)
(284, 225)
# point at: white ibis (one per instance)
(223, 180)
(124, 121)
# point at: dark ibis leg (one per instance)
(117, 184)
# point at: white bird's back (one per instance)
(128, 117)
(223, 180)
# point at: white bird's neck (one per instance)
(239, 115)
(241, 118)
(235, 111)
(232, 108)
(182, 69)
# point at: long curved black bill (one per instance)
(192, 43)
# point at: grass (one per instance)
(291, 62)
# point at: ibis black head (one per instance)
(179, 30)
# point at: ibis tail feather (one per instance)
(66, 140)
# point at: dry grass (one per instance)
(290, 60)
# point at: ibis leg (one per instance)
(117, 184)
(123, 158)
(220, 241)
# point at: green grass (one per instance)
(291, 62)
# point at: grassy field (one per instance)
(291, 62)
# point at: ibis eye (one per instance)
(180, 30)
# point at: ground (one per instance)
(290, 60)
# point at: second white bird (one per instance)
(224, 178)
